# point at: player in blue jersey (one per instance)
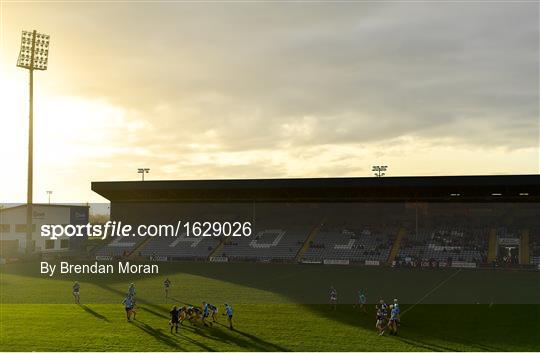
(229, 313)
(128, 305)
(205, 314)
(393, 323)
(131, 294)
(396, 306)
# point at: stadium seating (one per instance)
(355, 246)
(535, 247)
(357, 233)
(267, 244)
(119, 246)
(444, 245)
(181, 247)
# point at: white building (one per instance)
(13, 228)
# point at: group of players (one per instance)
(387, 316)
(194, 314)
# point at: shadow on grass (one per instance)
(223, 334)
(157, 334)
(178, 301)
(468, 327)
(153, 312)
(95, 313)
(346, 314)
(233, 338)
(259, 341)
(203, 346)
(245, 340)
(425, 345)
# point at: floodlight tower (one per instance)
(143, 171)
(49, 192)
(379, 170)
(34, 55)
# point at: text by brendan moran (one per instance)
(125, 267)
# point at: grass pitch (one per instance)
(277, 308)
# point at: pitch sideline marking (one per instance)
(431, 291)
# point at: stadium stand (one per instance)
(181, 247)
(466, 220)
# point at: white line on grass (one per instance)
(431, 291)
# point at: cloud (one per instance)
(360, 71)
(255, 88)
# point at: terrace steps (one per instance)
(217, 249)
(524, 256)
(492, 246)
(137, 249)
(310, 238)
(396, 246)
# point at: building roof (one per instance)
(409, 188)
(23, 205)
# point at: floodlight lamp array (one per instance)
(37, 43)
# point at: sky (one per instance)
(212, 90)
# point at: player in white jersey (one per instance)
(333, 298)
(166, 287)
(131, 290)
(76, 292)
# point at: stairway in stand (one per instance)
(395, 247)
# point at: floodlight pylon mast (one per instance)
(30, 186)
(32, 56)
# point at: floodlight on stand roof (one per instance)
(142, 171)
(379, 170)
